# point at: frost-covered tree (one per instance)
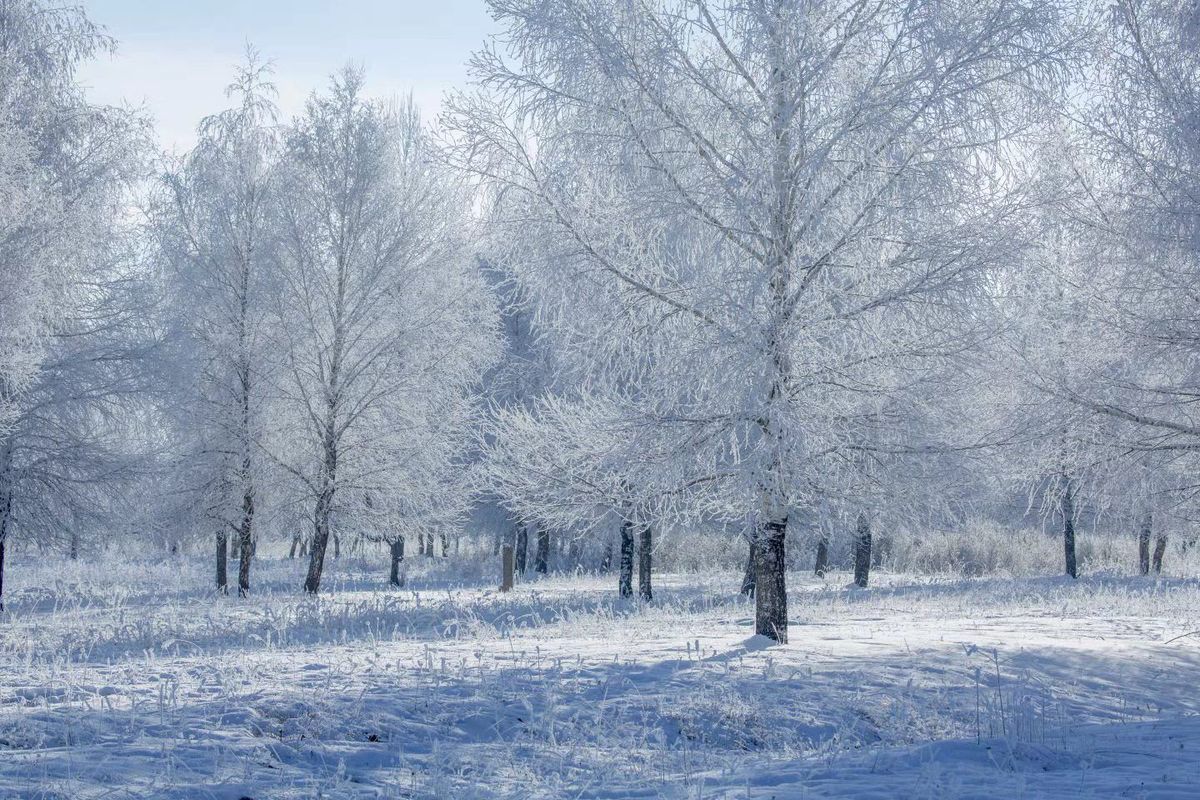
(215, 225)
(72, 309)
(796, 179)
(385, 320)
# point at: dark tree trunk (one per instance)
(320, 540)
(770, 580)
(295, 546)
(1144, 543)
(397, 579)
(625, 578)
(645, 561)
(222, 562)
(2, 542)
(522, 548)
(862, 550)
(748, 576)
(1068, 512)
(235, 545)
(821, 566)
(246, 543)
(337, 544)
(445, 544)
(1160, 549)
(541, 561)
(75, 545)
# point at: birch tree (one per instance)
(798, 175)
(215, 224)
(70, 304)
(385, 321)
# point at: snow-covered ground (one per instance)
(132, 680)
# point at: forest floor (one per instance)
(132, 679)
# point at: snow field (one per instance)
(132, 680)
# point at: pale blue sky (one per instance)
(176, 56)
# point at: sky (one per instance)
(175, 57)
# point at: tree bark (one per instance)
(821, 566)
(1144, 543)
(1068, 512)
(222, 562)
(748, 576)
(246, 544)
(320, 540)
(295, 546)
(522, 548)
(625, 578)
(541, 562)
(1160, 549)
(770, 580)
(396, 578)
(2, 545)
(645, 561)
(862, 550)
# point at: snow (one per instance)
(131, 679)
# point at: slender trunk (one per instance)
(1160, 549)
(522, 548)
(625, 579)
(74, 554)
(770, 580)
(295, 546)
(303, 546)
(1068, 512)
(246, 545)
(397, 578)
(1144, 543)
(445, 544)
(645, 556)
(822, 563)
(862, 550)
(2, 544)
(541, 561)
(748, 576)
(337, 544)
(222, 562)
(235, 547)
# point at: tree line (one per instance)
(750, 265)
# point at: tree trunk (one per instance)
(295, 546)
(1068, 512)
(74, 545)
(397, 579)
(222, 562)
(2, 543)
(445, 544)
(1144, 544)
(862, 550)
(320, 540)
(822, 563)
(235, 544)
(522, 548)
(246, 544)
(1160, 548)
(770, 580)
(645, 556)
(541, 562)
(606, 556)
(337, 545)
(748, 576)
(625, 579)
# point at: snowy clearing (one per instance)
(134, 680)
